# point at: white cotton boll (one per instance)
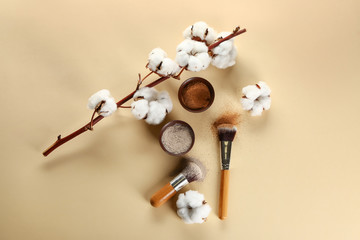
(182, 58)
(246, 103)
(97, 97)
(222, 61)
(108, 108)
(211, 36)
(265, 101)
(156, 56)
(140, 108)
(252, 92)
(192, 208)
(156, 114)
(199, 47)
(257, 109)
(157, 51)
(201, 30)
(205, 59)
(186, 46)
(224, 48)
(164, 99)
(265, 89)
(147, 93)
(184, 214)
(168, 67)
(194, 64)
(200, 214)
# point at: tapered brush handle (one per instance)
(161, 196)
(224, 193)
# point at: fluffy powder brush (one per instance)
(226, 133)
(194, 171)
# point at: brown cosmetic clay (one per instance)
(196, 95)
(177, 139)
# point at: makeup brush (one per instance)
(226, 133)
(193, 171)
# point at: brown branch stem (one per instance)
(237, 31)
(61, 141)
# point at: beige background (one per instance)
(295, 170)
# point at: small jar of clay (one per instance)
(196, 94)
(177, 138)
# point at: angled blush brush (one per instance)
(226, 134)
(193, 171)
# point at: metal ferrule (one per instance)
(225, 154)
(179, 182)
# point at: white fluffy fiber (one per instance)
(151, 105)
(140, 108)
(192, 208)
(225, 53)
(256, 98)
(147, 93)
(156, 114)
(201, 30)
(108, 107)
(159, 62)
(193, 54)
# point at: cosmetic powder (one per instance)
(196, 94)
(177, 138)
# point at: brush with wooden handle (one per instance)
(226, 133)
(193, 171)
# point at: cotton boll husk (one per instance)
(182, 58)
(205, 59)
(265, 89)
(199, 214)
(140, 108)
(168, 67)
(246, 103)
(164, 99)
(265, 101)
(97, 97)
(252, 92)
(194, 64)
(257, 109)
(108, 108)
(147, 93)
(156, 114)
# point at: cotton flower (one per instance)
(193, 54)
(156, 114)
(159, 63)
(164, 99)
(140, 108)
(107, 107)
(256, 98)
(192, 207)
(151, 105)
(225, 53)
(147, 93)
(200, 31)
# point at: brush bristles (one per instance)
(226, 132)
(194, 170)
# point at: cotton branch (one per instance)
(89, 126)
